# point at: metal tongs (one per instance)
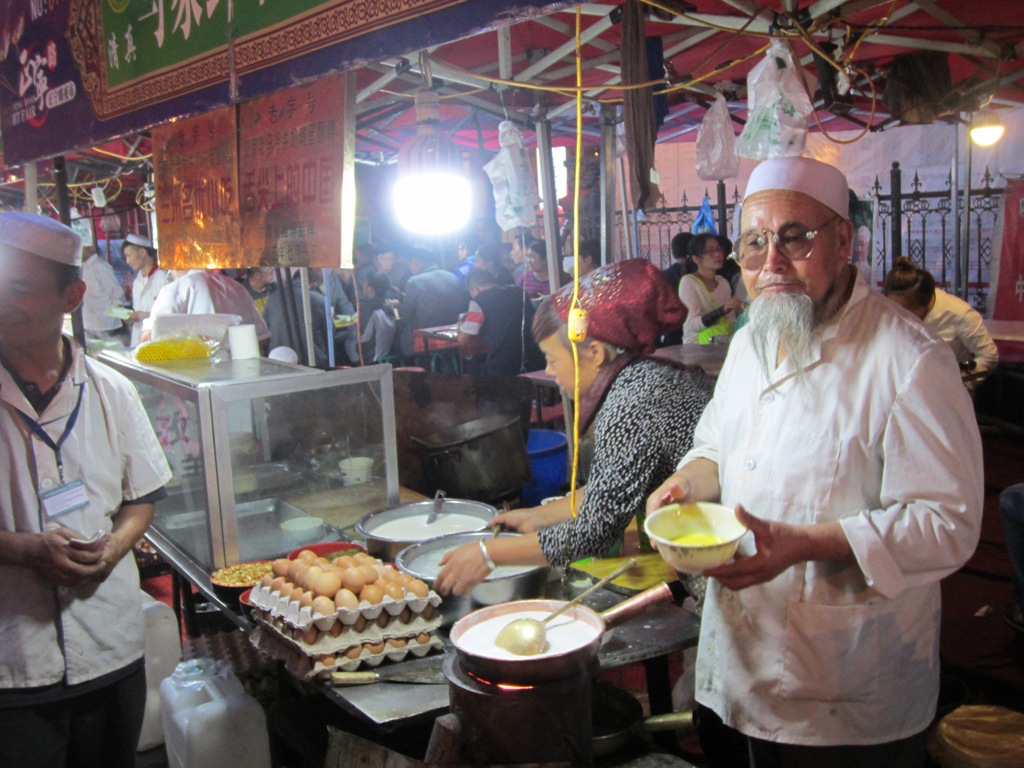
(436, 509)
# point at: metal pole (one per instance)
(329, 316)
(307, 317)
(723, 221)
(954, 202)
(896, 183)
(628, 230)
(60, 178)
(547, 184)
(607, 182)
(963, 258)
(31, 203)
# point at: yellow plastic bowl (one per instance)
(695, 537)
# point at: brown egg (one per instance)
(397, 642)
(346, 599)
(327, 584)
(306, 601)
(383, 572)
(267, 580)
(329, 660)
(353, 580)
(383, 619)
(371, 594)
(280, 566)
(312, 573)
(324, 605)
(307, 555)
(296, 569)
(360, 624)
(418, 588)
(428, 612)
(344, 562)
(369, 573)
(287, 590)
(374, 648)
(353, 652)
(362, 557)
(423, 638)
(394, 591)
(311, 634)
(405, 616)
(278, 583)
(323, 562)
(336, 629)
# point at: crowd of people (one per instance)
(839, 430)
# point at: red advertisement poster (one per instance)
(292, 161)
(195, 168)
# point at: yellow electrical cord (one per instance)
(575, 302)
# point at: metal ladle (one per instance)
(528, 637)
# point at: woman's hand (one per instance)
(679, 488)
(532, 519)
(461, 570)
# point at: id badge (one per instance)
(64, 499)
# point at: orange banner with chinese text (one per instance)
(294, 148)
(195, 169)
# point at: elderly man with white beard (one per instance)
(840, 433)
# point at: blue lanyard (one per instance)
(55, 447)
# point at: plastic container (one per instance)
(209, 719)
(547, 451)
(163, 652)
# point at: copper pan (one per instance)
(530, 670)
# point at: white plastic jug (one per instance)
(209, 719)
(163, 652)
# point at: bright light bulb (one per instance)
(987, 135)
(433, 203)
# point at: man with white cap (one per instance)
(103, 293)
(841, 435)
(149, 280)
(83, 470)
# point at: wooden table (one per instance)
(708, 357)
(1005, 330)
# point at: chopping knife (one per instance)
(428, 672)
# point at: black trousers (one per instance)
(96, 730)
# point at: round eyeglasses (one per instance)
(794, 241)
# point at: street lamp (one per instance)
(986, 128)
(432, 196)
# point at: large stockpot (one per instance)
(502, 585)
(481, 459)
(388, 531)
(531, 670)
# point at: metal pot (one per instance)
(617, 716)
(481, 459)
(421, 561)
(387, 547)
(529, 670)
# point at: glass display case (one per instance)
(258, 448)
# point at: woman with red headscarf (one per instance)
(641, 410)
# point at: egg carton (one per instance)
(349, 637)
(368, 660)
(302, 616)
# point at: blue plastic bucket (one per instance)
(547, 451)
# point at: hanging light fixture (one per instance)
(986, 127)
(432, 196)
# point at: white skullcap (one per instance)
(133, 239)
(816, 179)
(39, 236)
(284, 355)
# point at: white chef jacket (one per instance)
(95, 628)
(958, 324)
(881, 437)
(102, 291)
(145, 288)
(205, 292)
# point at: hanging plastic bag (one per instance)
(778, 107)
(515, 191)
(705, 221)
(716, 144)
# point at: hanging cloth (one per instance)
(638, 105)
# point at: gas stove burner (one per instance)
(514, 723)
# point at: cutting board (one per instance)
(651, 569)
